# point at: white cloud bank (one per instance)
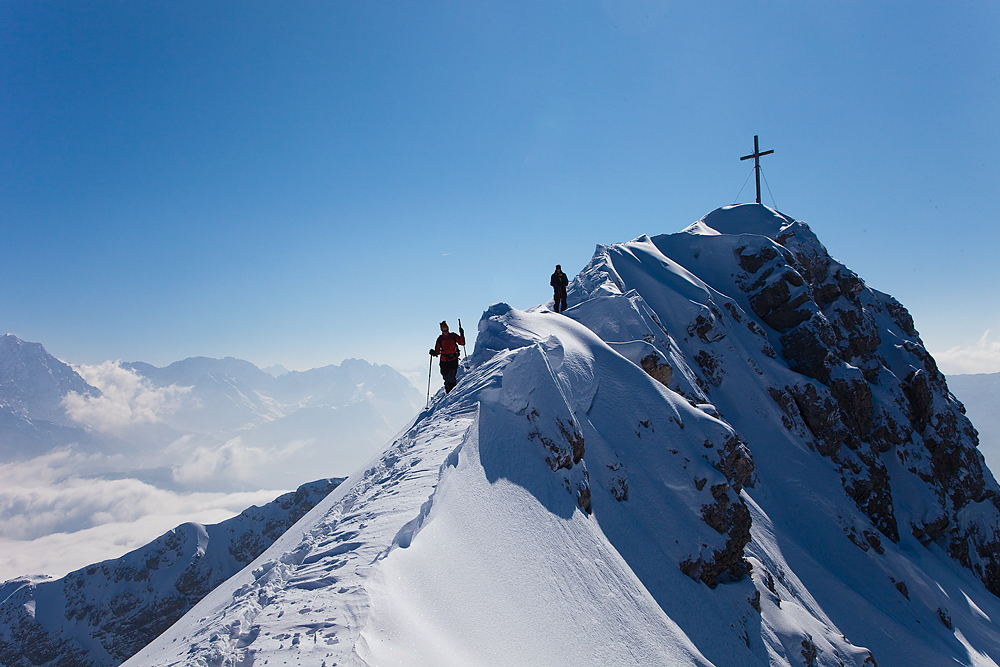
(234, 461)
(54, 521)
(126, 399)
(981, 357)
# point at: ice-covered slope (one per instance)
(728, 451)
(102, 614)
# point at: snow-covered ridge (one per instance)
(102, 614)
(728, 451)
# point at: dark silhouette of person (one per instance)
(447, 348)
(559, 282)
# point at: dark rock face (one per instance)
(832, 330)
(736, 463)
(730, 517)
(854, 382)
(101, 615)
(563, 452)
(727, 515)
(660, 372)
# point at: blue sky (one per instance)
(302, 182)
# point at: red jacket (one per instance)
(447, 345)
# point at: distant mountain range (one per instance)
(200, 423)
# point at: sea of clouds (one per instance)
(64, 510)
(54, 519)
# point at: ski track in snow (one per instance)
(313, 597)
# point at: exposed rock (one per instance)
(661, 372)
(559, 456)
(736, 463)
(730, 517)
(809, 652)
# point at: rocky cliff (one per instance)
(845, 366)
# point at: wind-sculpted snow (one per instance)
(102, 614)
(727, 451)
(557, 465)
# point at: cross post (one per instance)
(756, 155)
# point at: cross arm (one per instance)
(753, 155)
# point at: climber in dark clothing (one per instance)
(447, 348)
(559, 282)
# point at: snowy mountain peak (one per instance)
(33, 382)
(729, 450)
(743, 219)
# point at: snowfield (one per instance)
(728, 451)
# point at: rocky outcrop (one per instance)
(101, 615)
(855, 383)
(851, 341)
(728, 515)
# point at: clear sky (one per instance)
(302, 182)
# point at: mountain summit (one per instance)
(729, 450)
(33, 419)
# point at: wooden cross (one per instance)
(756, 155)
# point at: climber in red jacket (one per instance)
(447, 348)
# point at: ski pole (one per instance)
(464, 352)
(430, 368)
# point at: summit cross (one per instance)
(756, 155)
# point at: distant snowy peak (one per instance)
(33, 382)
(190, 371)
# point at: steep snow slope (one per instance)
(102, 614)
(729, 451)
